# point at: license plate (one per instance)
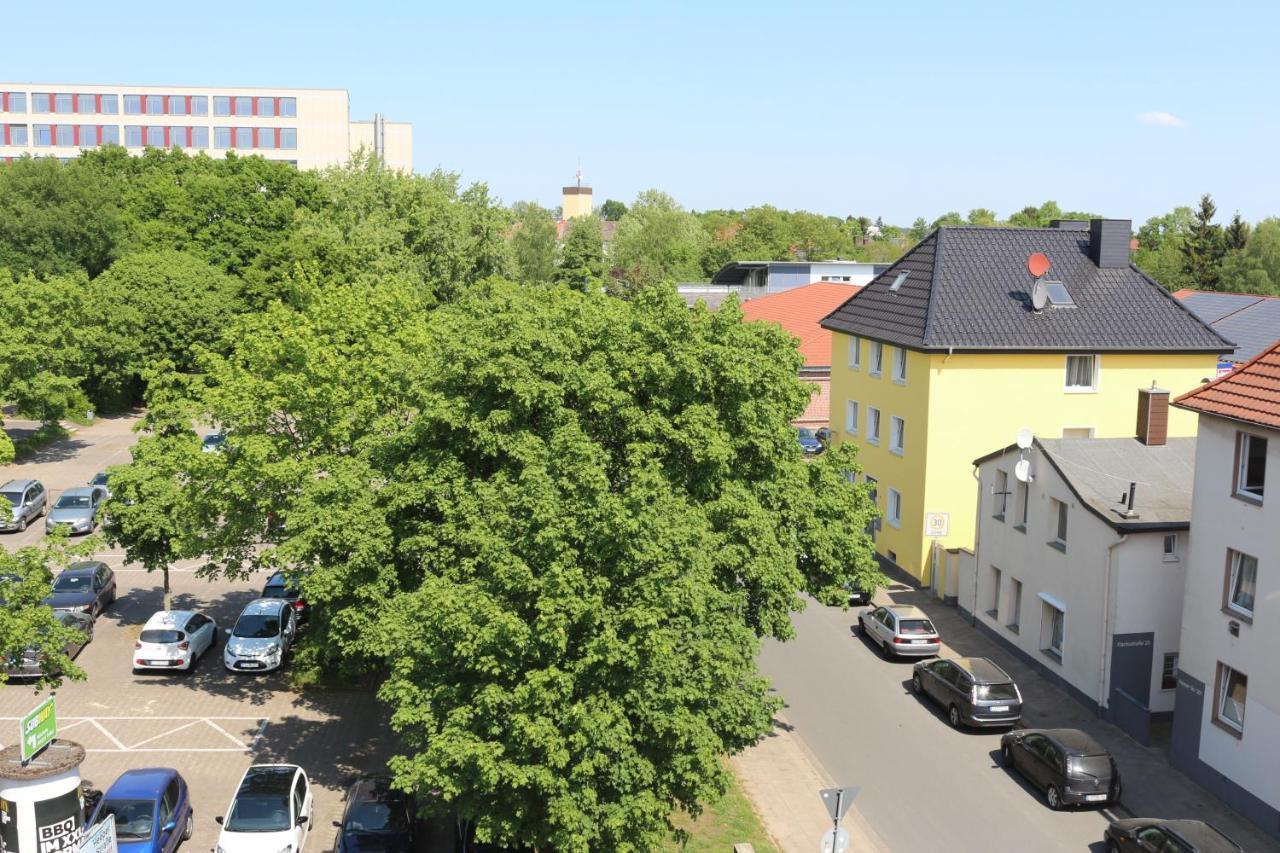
(1095, 798)
(919, 642)
(999, 709)
(158, 663)
(250, 664)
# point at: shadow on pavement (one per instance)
(60, 451)
(354, 720)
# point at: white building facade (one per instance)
(310, 128)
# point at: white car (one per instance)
(271, 812)
(174, 639)
(261, 637)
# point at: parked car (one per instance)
(1167, 836)
(378, 819)
(261, 636)
(28, 663)
(277, 586)
(100, 480)
(213, 442)
(900, 630)
(1068, 765)
(87, 587)
(174, 639)
(152, 810)
(973, 691)
(808, 439)
(79, 508)
(270, 813)
(27, 500)
(858, 596)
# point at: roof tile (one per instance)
(1249, 393)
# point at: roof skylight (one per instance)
(897, 282)
(1058, 295)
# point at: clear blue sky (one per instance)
(891, 109)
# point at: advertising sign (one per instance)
(38, 729)
(8, 826)
(101, 838)
(60, 823)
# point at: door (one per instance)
(944, 672)
(302, 809)
(1028, 758)
(168, 815)
(205, 632)
(884, 626)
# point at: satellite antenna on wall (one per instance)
(1022, 469)
(1024, 438)
(1038, 265)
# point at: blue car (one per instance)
(809, 441)
(151, 808)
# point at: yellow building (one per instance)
(946, 355)
(575, 201)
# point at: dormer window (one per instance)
(1058, 295)
(897, 282)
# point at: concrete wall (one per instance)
(859, 274)
(1149, 601)
(397, 140)
(787, 276)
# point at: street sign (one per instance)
(101, 838)
(835, 842)
(38, 729)
(838, 800)
(937, 523)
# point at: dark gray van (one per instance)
(972, 691)
(1068, 765)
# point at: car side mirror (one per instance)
(218, 820)
(302, 819)
(338, 824)
(169, 827)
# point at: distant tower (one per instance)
(576, 200)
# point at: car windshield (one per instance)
(273, 591)
(73, 583)
(805, 432)
(372, 816)
(72, 502)
(98, 480)
(259, 813)
(915, 626)
(161, 636)
(257, 626)
(214, 439)
(14, 498)
(1096, 766)
(997, 691)
(135, 819)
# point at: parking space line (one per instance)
(119, 746)
(156, 737)
(233, 738)
(97, 725)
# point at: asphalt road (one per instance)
(925, 786)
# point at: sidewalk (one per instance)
(782, 780)
(1152, 787)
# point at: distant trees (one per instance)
(1203, 247)
(1187, 249)
(612, 210)
(533, 242)
(657, 240)
(582, 256)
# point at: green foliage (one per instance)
(7, 451)
(1236, 235)
(45, 435)
(949, 218)
(657, 240)
(981, 216)
(1256, 267)
(42, 358)
(582, 258)
(533, 242)
(556, 520)
(612, 210)
(1203, 247)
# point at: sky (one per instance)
(890, 109)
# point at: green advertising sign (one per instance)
(39, 728)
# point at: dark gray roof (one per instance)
(1099, 470)
(1252, 321)
(968, 288)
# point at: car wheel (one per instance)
(953, 717)
(190, 828)
(886, 650)
(1112, 847)
(916, 685)
(22, 524)
(1006, 755)
(1054, 798)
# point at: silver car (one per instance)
(900, 630)
(261, 636)
(78, 508)
(25, 500)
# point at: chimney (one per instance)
(1069, 224)
(1109, 242)
(1153, 415)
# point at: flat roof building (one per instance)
(310, 128)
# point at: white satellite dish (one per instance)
(1022, 470)
(1024, 438)
(1039, 296)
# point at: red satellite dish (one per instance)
(1038, 264)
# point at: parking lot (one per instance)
(209, 724)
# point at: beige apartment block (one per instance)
(310, 128)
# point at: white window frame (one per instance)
(851, 417)
(855, 353)
(876, 367)
(893, 508)
(1081, 389)
(1015, 602)
(1000, 488)
(1242, 464)
(1173, 673)
(1049, 607)
(873, 435)
(997, 578)
(1220, 701)
(900, 365)
(1059, 522)
(1235, 563)
(897, 435)
(1169, 548)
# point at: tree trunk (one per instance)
(166, 587)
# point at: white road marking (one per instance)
(241, 747)
(97, 725)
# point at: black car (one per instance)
(1167, 836)
(84, 588)
(1068, 765)
(278, 586)
(377, 818)
(973, 691)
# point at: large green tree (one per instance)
(557, 520)
(533, 242)
(657, 240)
(1203, 247)
(582, 256)
(43, 361)
(1256, 267)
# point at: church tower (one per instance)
(576, 200)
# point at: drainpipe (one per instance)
(1105, 669)
(977, 543)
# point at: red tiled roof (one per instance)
(1249, 393)
(798, 311)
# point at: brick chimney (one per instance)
(1109, 242)
(1153, 415)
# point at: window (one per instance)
(993, 599)
(1015, 605)
(132, 105)
(221, 105)
(66, 135)
(873, 425)
(222, 137)
(898, 280)
(900, 365)
(110, 104)
(200, 106)
(1021, 500)
(17, 102)
(1082, 373)
(1077, 432)
(288, 107)
(110, 134)
(88, 135)
(1058, 295)
(877, 358)
(1242, 582)
(893, 510)
(1169, 672)
(855, 352)
(289, 138)
(1053, 631)
(63, 103)
(132, 136)
(244, 137)
(1058, 523)
(266, 107)
(155, 105)
(155, 137)
(851, 417)
(1000, 491)
(84, 104)
(897, 434)
(1251, 471)
(177, 137)
(266, 137)
(177, 105)
(1233, 689)
(1170, 548)
(40, 102)
(199, 137)
(17, 134)
(244, 105)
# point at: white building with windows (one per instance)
(1079, 568)
(1226, 732)
(310, 128)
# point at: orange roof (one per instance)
(798, 311)
(1249, 393)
